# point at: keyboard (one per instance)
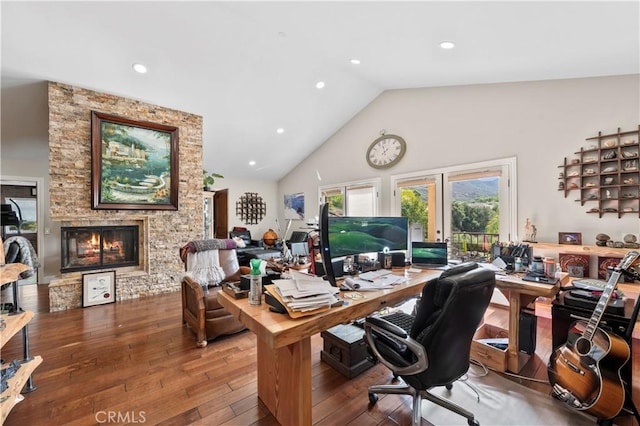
(401, 319)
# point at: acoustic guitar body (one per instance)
(585, 375)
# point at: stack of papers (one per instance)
(305, 292)
(373, 281)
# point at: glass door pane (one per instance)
(419, 200)
(473, 209)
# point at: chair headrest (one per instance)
(459, 269)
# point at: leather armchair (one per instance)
(200, 308)
(434, 348)
(204, 315)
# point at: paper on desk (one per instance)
(374, 275)
(303, 285)
(491, 267)
(387, 281)
(306, 293)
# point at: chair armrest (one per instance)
(393, 332)
(387, 326)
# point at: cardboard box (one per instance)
(491, 356)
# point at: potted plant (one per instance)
(208, 179)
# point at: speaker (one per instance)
(398, 260)
(527, 338)
(385, 260)
(336, 265)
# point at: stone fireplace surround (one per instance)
(162, 232)
(66, 292)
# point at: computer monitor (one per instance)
(353, 235)
(325, 250)
(429, 254)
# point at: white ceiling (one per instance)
(250, 67)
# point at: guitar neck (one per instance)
(596, 317)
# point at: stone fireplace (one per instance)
(161, 233)
(98, 247)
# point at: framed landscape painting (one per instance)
(134, 164)
(294, 206)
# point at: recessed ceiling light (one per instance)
(140, 68)
(320, 85)
(355, 61)
(252, 163)
(447, 45)
(280, 130)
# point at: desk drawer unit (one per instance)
(345, 349)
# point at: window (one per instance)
(25, 209)
(472, 205)
(352, 199)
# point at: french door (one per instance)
(471, 205)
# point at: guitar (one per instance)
(585, 371)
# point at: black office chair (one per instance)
(435, 352)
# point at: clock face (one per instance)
(386, 151)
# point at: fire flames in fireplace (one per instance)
(86, 248)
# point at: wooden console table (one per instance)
(520, 294)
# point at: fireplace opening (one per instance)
(98, 247)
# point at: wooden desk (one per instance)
(520, 294)
(284, 344)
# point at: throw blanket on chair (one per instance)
(26, 254)
(204, 267)
(205, 245)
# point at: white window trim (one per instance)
(376, 183)
(511, 186)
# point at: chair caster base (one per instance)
(373, 398)
(473, 422)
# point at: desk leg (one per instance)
(284, 381)
(515, 359)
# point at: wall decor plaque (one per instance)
(576, 265)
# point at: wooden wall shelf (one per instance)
(605, 173)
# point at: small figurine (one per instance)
(529, 231)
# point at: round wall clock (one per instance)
(386, 151)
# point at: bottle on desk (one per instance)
(517, 266)
(550, 267)
(255, 283)
(537, 265)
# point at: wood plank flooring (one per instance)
(134, 362)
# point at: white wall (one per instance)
(268, 192)
(539, 123)
(24, 151)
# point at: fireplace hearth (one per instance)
(98, 247)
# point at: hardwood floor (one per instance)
(134, 362)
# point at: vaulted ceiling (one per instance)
(250, 68)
